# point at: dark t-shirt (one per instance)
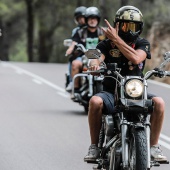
(113, 55)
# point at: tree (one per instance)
(124, 2)
(30, 29)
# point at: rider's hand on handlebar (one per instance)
(69, 51)
(94, 67)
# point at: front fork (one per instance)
(125, 143)
(147, 129)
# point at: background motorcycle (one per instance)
(125, 135)
(89, 84)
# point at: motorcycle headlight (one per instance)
(134, 88)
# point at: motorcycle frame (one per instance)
(90, 84)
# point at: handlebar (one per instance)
(105, 71)
(167, 73)
(81, 48)
(157, 72)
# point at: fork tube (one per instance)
(148, 141)
(125, 146)
(145, 89)
(90, 78)
(147, 129)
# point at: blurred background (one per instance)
(34, 30)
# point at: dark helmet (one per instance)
(79, 11)
(130, 21)
(92, 12)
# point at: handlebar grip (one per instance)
(167, 73)
(97, 71)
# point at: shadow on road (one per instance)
(75, 112)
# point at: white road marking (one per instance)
(64, 94)
(36, 81)
(34, 76)
(163, 143)
(165, 137)
(166, 145)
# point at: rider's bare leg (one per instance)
(95, 118)
(95, 122)
(76, 68)
(157, 118)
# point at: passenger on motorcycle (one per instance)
(89, 36)
(129, 51)
(79, 18)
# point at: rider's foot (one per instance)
(69, 87)
(156, 154)
(93, 153)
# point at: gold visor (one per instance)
(127, 26)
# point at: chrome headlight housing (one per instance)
(134, 88)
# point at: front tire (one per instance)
(138, 150)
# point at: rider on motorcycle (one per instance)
(89, 36)
(79, 18)
(129, 51)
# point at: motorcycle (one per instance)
(124, 137)
(89, 84)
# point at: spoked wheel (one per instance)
(138, 150)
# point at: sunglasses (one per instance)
(129, 26)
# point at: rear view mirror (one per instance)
(166, 59)
(167, 55)
(67, 42)
(93, 53)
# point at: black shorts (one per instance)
(108, 101)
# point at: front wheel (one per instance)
(138, 150)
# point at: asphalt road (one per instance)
(40, 127)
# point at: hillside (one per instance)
(159, 38)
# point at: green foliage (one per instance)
(19, 51)
(9, 8)
(55, 20)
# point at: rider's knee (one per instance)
(159, 104)
(76, 63)
(96, 102)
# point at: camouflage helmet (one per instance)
(129, 13)
(134, 18)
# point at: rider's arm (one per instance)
(135, 56)
(71, 48)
